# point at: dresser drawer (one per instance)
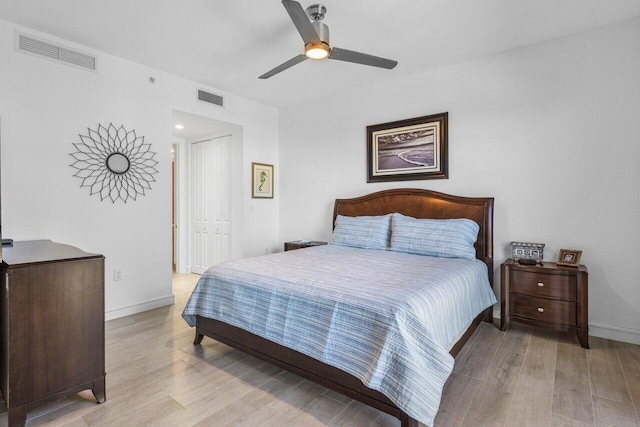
(546, 310)
(541, 284)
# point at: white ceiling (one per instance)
(195, 126)
(227, 44)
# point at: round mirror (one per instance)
(118, 163)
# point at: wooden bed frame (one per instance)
(412, 202)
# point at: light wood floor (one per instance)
(525, 377)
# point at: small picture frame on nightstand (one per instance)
(527, 253)
(569, 257)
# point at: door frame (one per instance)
(174, 205)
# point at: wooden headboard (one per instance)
(420, 203)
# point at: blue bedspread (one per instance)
(387, 318)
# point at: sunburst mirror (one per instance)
(114, 163)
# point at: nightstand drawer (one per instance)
(546, 310)
(541, 284)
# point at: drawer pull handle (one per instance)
(540, 310)
(540, 284)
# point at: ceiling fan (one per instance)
(316, 41)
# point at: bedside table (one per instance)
(299, 244)
(548, 296)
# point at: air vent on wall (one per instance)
(211, 98)
(32, 45)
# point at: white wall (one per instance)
(45, 105)
(551, 131)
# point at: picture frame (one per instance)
(569, 257)
(411, 149)
(261, 181)
(527, 251)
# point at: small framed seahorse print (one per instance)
(261, 181)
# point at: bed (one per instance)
(251, 334)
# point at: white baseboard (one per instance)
(615, 333)
(185, 270)
(139, 307)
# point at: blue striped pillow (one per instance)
(366, 232)
(447, 238)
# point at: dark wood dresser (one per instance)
(52, 330)
(548, 296)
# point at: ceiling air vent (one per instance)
(34, 46)
(211, 98)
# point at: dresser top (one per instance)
(41, 251)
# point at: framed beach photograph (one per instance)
(408, 149)
(569, 257)
(261, 181)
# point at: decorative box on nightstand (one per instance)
(547, 295)
(299, 244)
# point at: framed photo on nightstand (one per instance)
(569, 257)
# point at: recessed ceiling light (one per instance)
(179, 126)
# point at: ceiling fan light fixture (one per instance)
(317, 50)
(315, 36)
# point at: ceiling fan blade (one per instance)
(361, 58)
(301, 21)
(290, 63)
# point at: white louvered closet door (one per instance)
(210, 203)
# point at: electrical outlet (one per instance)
(117, 275)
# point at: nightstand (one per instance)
(299, 244)
(547, 295)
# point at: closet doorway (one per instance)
(208, 196)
